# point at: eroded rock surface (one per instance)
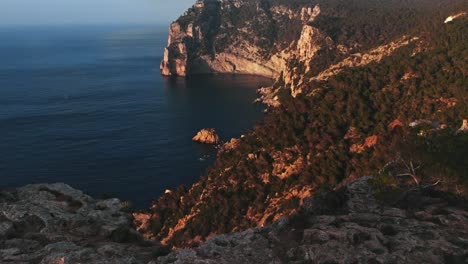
(54, 223)
(348, 226)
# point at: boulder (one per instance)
(207, 136)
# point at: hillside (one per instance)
(361, 87)
(348, 226)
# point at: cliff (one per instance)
(245, 37)
(295, 42)
(225, 37)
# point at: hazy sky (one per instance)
(90, 11)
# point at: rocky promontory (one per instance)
(243, 37)
(201, 41)
(295, 42)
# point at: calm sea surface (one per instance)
(88, 107)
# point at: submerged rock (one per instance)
(54, 223)
(207, 136)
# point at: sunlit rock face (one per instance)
(202, 41)
(207, 136)
(464, 126)
(453, 17)
(215, 36)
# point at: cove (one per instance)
(87, 106)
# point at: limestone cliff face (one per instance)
(175, 55)
(243, 37)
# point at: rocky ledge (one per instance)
(349, 226)
(54, 223)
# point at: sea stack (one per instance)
(207, 136)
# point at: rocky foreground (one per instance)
(54, 223)
(348, 226)
(58, 224)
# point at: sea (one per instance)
(87, 106)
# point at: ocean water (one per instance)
(87, 106)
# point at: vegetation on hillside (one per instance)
(349, 126)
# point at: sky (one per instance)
(58, 12)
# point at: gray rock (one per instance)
(54, 223)
(58, 224)
(6, 228)
(312, 236)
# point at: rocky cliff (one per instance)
(295, 42)
(247, 37)
(226, 37)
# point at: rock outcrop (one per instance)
(453, 17)
(201, 41)
(213, 36)
(369, 142)
(207, 136)
(464, 126)
(348, 226)
(54, 223)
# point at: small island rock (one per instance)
(207, 136)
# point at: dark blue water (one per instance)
(88, 107)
